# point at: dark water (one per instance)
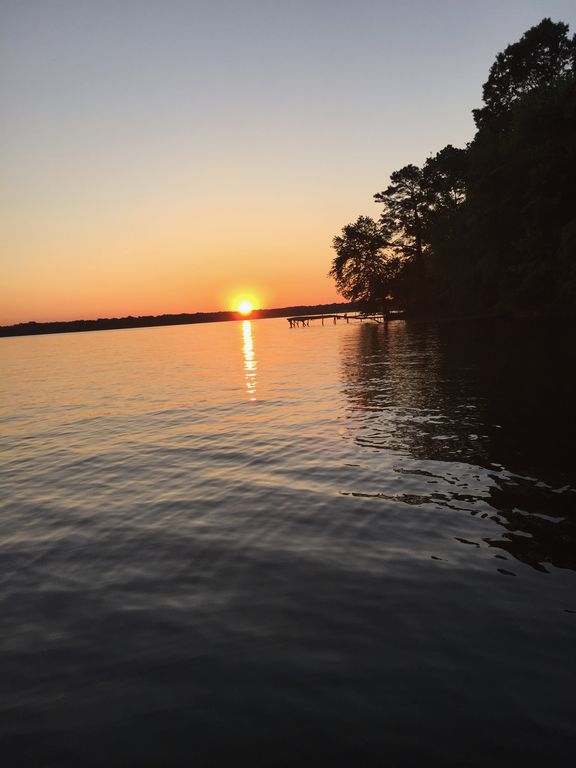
(233, 543)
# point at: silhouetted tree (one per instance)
(404, 213)
(444, 180)
(543, 56)
(522, 203)
(491, 227)
(419, 207)
(363, 267)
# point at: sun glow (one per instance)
(245, 307)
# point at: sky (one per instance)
(176, 155)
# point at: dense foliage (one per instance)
(491, 227)
(364, 268)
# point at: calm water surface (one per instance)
(237, 541)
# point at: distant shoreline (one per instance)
(149, 321)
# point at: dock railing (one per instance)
(377, 317)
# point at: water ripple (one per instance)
(315, 540)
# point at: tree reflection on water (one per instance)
(498, 396)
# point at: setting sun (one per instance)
(245, 307)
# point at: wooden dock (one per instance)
(375, 317)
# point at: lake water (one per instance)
(239, 542)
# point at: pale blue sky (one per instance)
(157, 151)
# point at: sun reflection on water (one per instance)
(249, 359)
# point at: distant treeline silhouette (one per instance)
(490, 228)
(146, 321)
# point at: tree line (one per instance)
(490, 227)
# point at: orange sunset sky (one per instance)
(174, 156)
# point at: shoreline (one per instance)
(33, 328)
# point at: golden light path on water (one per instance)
(249, 359)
